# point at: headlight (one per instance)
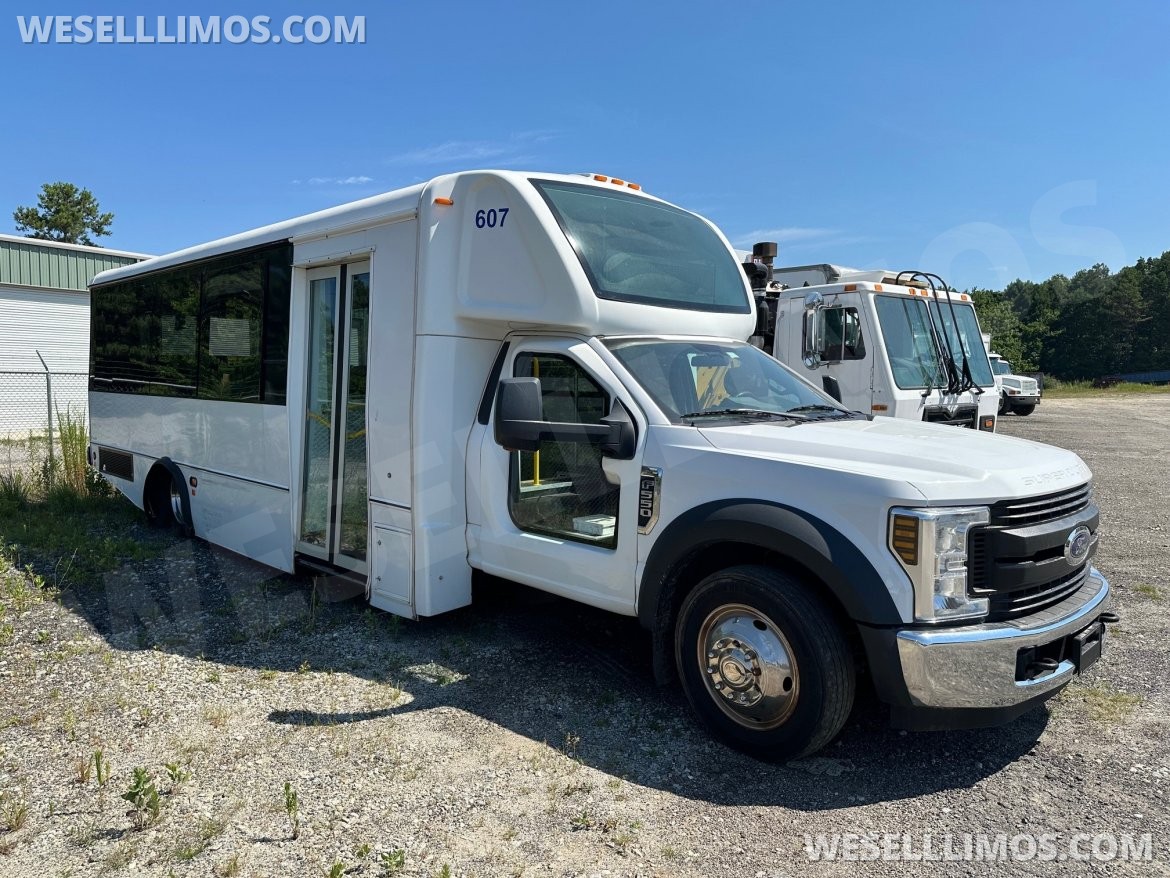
(931, 545)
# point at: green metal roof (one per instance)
(47, 264)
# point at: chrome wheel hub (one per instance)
(748, 666)
(177, 504)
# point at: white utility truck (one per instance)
(899, 345)
(1018, 394)
(543, 377)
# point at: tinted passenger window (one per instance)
(216, 329)
(229, 326)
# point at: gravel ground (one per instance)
(524, 735)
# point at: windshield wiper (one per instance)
(741, 413)
(820, 407)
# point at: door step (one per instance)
(333, 584)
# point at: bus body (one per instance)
(882, 342)
(543, 377)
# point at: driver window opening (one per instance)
(561, 489)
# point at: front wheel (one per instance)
(1024, 410)
(764, 663)
(1003, 405)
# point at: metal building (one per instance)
(44, 327)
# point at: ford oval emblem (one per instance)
(1076, 547)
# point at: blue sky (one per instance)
(983, 141)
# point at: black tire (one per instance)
(1024, 410)
(162, 503)
(1003, 405)
(791, 708)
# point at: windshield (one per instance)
(634, 249)
(1001, 367)
(913, 350)
(910, 344)
(689, 378)
(962, 327)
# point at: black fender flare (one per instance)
(810, 542)
(184, 495)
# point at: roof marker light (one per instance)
(600, 178)
(445, 201)
(634, 185)
(618, 182)
(877, 288)
(849, 288)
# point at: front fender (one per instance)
(804, 538)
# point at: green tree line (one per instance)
(1093, 324)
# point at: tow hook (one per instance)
(1110, 618)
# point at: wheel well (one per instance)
(155, 490)
(688, 571)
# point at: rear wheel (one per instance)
(163, 502)
(1003, 405)
(1024, 410)
(764, 663)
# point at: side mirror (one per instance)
(813, 344)
(623, 436)
(520, 424)
(519, 409)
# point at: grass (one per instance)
(13, 812)
(1057, 389)
(197, 841)
(63, 521)
(1150, 591)
(1104, 705)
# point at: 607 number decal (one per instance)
(490, 218)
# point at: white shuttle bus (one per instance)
(544, 377)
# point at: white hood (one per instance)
(946, 464)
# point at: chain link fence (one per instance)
(33, 406)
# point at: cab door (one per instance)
(562, 518)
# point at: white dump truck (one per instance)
(891, 344)
(544, 377)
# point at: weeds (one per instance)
(336, 870)
(176, 774)
(143, 798)
(13, 812)
(229, 868)
(195, 844)
(392, 862)
(101, 767)
(292, 809)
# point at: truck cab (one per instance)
(890, 344)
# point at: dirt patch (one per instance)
(524, 735)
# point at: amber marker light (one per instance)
(447, 202)
(904, 539)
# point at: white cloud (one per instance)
(338, 181)
(785, 235)
(514, 150)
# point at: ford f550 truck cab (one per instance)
(544, 377)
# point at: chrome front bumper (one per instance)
(975, 667)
